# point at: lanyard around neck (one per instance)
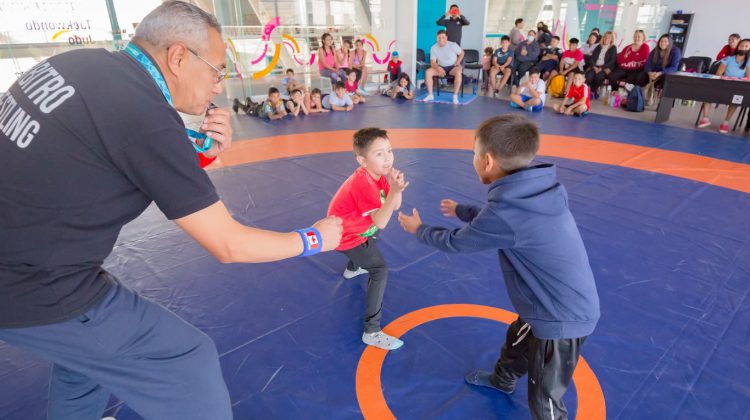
(151, 69)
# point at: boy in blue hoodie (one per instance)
(544, 262)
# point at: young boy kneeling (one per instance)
(543, 259)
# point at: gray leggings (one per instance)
(335, 76)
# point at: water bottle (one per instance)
(605, 99)
(617, 101)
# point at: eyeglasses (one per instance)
(220, 74)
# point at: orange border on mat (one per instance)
(591, 405)
(722, 173)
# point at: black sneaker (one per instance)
(484, 379)
(236, 105)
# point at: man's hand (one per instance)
(330, 230)
(396, 181)
(448, 207)
(410, 223)
(441, 72)
(217, 126)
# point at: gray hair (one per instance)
(177, 21)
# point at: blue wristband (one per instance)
(311, 241)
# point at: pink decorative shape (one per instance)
(262, 56)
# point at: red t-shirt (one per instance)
(394, 65)
(351, 88)
(628, 59)
(579, 92)
(358, 197)
(725, 52)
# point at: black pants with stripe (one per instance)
(549, 363)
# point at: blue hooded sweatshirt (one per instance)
(544, 262)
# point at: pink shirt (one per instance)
(344, 58)
(328, 59)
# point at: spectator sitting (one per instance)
(531, 94)
(729, 49)
(602, 62)
(550, 58)
(339, 100)
(445, 59)
(630, 63)
(591, 42)
(352, 88)
(314, 101)
(290, 82)
(572, 60)
(273, 107)
(327, 62)
(664, 59)
(394, 67)
(526, 55)
(344, 57)
(576, 101)
(401, 88)
(502, 63)
(296, 103)
(733, 66)
(359, 63)
(544, 35)
(486, 65)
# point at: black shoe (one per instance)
(484, 379)
(236, 105)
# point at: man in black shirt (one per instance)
(88, 139)
(454, 22)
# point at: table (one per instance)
(704, 88)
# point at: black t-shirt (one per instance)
(87, 142)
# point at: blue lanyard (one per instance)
(147, 64)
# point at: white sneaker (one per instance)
(349, 274)
(381, 340)
(109, 418)
(429, 98)
(455, 99)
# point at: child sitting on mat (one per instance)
(401, 88)
(543, 260)
(365, 203)
(577, 101)
(531, 94)
(352, 87)
(339, 100)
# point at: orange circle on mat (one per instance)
(591, 405)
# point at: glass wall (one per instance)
(31, 31)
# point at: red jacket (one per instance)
(725, 52)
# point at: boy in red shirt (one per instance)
(579, 92)
(365, 203)
(394, 67)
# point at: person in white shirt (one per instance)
(532, 94)
(445, 59)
